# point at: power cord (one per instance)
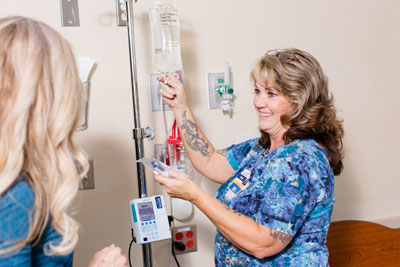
(179, 246)
(130, 246)
(176, 245)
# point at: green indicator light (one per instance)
(220, 80)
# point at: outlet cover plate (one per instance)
(88, 181)
(121, 13)
(187, 234)
(69, 13)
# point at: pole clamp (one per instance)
(140, 133)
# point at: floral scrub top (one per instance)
(289, 190)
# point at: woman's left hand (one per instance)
(110, 256)
(178, 185)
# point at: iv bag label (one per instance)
(165, 29)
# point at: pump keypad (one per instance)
(150, 230)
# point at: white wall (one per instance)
(355, 41)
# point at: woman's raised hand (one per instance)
(172, 91)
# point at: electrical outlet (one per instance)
(121, 13)
(215, 79)
(185, 238)
(88, 181)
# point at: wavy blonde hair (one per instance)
(297, 75)
(41, 103)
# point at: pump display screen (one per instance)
(146, 212)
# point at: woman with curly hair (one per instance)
(41, 103)
(275, 202)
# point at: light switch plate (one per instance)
(69, 13)
(88, 181)
(121, 13)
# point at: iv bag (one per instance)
(156, 165)
(165, 29)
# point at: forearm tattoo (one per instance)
(192, 136)
(285, 238)
(229, 209)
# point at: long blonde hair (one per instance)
(41, 102)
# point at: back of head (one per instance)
(41, 100)
(298, 76)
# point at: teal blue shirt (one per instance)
(290, 190)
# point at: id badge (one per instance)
(240, 183)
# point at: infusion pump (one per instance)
(150, 219)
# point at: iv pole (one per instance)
(138, 132)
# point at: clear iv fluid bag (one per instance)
(165, 30)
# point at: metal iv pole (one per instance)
(138, 132)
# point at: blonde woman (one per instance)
(276, 197)
(41, 100)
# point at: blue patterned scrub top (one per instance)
(290, 190)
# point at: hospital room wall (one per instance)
(355, 41)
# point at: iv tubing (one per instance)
(159, 158)
(163, 115)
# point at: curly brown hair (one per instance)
(298, 76)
